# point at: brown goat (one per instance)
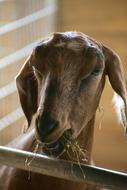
(60, 85)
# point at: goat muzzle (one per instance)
(45, 126)
(57, 147)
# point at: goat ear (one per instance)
(116, 76)
(28, 90)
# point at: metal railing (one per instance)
(63, 169)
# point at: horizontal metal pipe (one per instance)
(18, 55)
(7, 90)
(62, 169)
(11, 118)
(49, 10)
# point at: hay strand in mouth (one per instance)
(79, 164)
(78, 154)
(73, 145)
(74, 151)
(28, 162)
(101, 111)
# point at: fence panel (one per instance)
(24, 24)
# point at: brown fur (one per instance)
(63, 61)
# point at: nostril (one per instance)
(45, 126)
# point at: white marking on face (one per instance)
(60, 44)
(74, 45)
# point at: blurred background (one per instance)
(24, 23)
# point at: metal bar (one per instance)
(7, 90)
(28, 19)
(63, 169)
(11, 118)
(17, 55)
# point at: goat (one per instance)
(60, 85)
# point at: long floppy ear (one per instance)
(28, 90)
(117, 79)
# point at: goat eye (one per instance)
(83, 82)
(95, 72)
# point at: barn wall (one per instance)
(106, 21)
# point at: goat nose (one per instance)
(45, 125)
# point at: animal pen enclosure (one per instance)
(24, 24)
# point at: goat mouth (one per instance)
(57, 148)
